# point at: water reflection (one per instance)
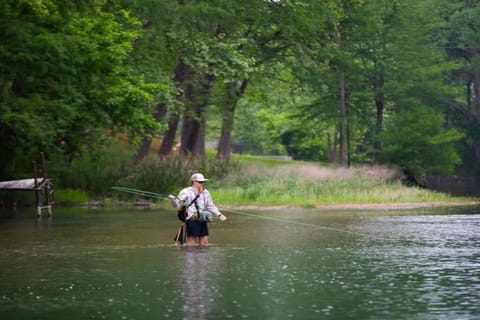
(198, 268)
(43, 222)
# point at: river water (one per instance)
(298, 264)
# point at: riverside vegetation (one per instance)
(243, 181)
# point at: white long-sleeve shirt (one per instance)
(204, 201)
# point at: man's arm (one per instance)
(210, 206)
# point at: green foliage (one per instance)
(246, 180)
(94, 173)
(71, 196)
(251, 136)
(73, 73)
(416, 140)
(173, 173)
(267, 112)
(302, 145)
(65, 79)
(457, 33)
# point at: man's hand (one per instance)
(173, 201)
(222, 217)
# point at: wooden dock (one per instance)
(23, 184)
(42, 186)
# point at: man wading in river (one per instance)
(199, 206)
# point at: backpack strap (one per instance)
(196, 207)
(194, 201)
(182, 212)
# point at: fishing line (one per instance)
(312, 225)
(287, 221)
(168, 198)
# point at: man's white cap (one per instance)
(198, 177)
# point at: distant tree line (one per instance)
(339, 81)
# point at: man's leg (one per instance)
(204, 241)
(191, 241)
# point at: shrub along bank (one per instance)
(244, 181)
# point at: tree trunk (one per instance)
(169, 136)
(142, 150)
(144, 147)
(233, 96)
(347, 129)
(190, 123)
(182, 74)
(332, 146)
(194, 119)
(342, 124)
(380, 107)
(476, 89)
(199, 150)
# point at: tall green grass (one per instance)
(309, 185)
(242, 181)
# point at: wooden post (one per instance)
(44, 167)
(47, 186)
(35, 185)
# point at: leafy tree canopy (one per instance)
(65, 79)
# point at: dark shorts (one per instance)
(196, 228)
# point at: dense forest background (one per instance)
(333, 81)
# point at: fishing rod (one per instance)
(145, 193)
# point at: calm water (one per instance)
(94, 264)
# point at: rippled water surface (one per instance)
(81, 264)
